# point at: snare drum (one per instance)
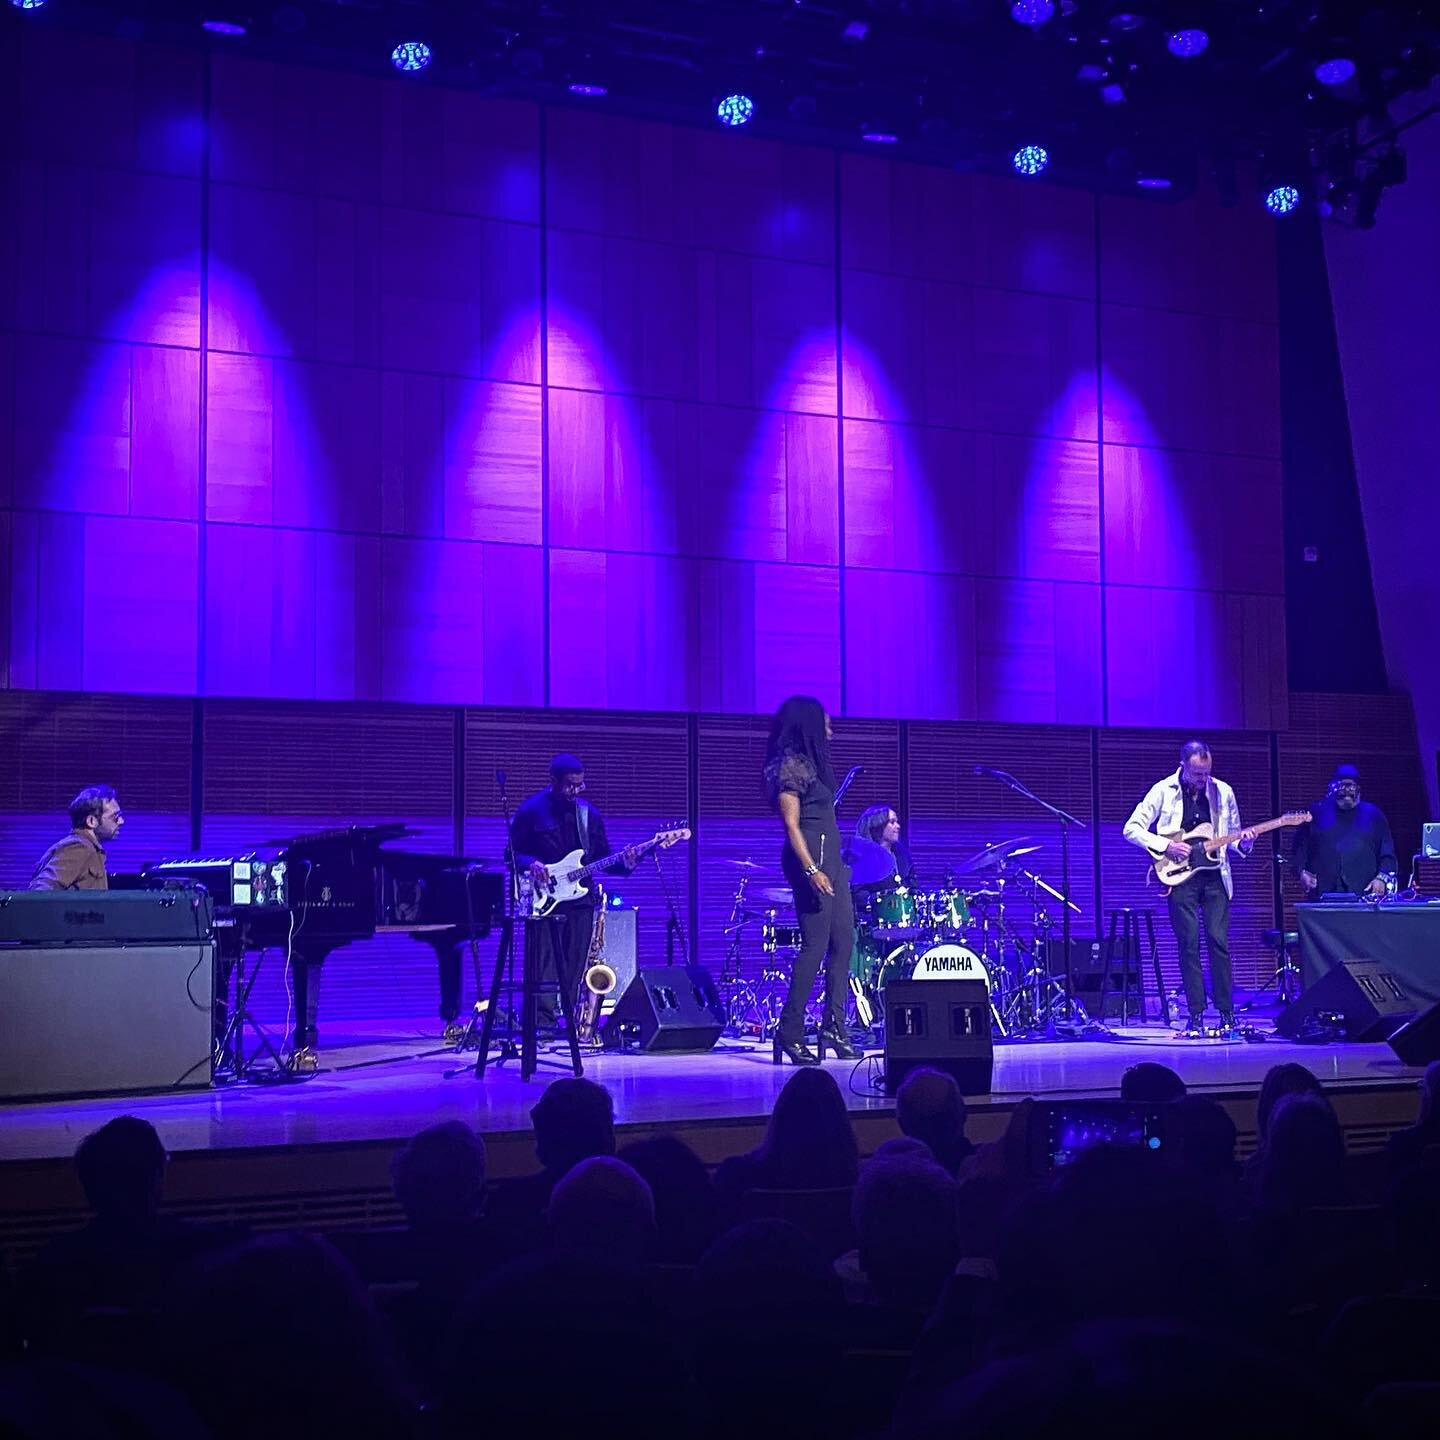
(951, 962)
(775, 937)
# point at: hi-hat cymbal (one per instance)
(991, 857)
(741, 864)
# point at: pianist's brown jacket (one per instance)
(75, 863)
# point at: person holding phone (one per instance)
(800, 784)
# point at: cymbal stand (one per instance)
(739, 993)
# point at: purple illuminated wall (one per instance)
(352, 388)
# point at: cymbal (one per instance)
(870, 862)
(991, 857)
(742, 864)
(772, 895)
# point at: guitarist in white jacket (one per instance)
(1176, 805)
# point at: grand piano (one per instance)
(308, 895)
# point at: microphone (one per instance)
(993, 773)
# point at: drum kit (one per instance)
(991, 920)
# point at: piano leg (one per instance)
(305, 988)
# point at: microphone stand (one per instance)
(1071, 1029)
(847, 782)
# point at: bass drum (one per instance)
(951, 962)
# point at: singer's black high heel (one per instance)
(797, 1051)
(839, 1042)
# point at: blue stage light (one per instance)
(590, 90)
(1336, 71)
(223, 27)
(1282, 199)
(735, 110)
(28, 4)
(1032, 12)
(880, 137)
(1153, 182)
(410, 56)
(1030, 159)
(1187, 44)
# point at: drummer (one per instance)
(875, 854)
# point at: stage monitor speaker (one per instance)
(619, 952)
(667, 1008)
(939, 1025)
(1417, 1042)
(1087, 970)
(100, 1019)
(1365, 996)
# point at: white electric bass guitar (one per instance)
(1206, 848)
(568, 876)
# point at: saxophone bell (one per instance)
(597, 979)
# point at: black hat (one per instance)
(1345, 772)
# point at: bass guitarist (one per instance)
(1175, 806)
(545, 829)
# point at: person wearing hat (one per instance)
(1347, 845)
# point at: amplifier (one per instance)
(103, 917)
(103, 1018)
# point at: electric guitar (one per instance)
(1206, 848)
(534, 901)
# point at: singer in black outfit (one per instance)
(800, 782)
(546, 828)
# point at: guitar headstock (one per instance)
(666, 838)
(1295, 817)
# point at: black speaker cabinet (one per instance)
(1087, 970)
(1417, 1042)
(667, 1007)
(1367, 996)
(97, 1019)
(619, 953)
(939, 1025)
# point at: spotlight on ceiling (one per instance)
(1032, 12)
(1187, 44)
(1154, 182)
(223, 27)
(580, 88)
(880, 137)
(1282, 199)
(735, 110)
(410, 56)
(1030, 159)
(28, 4)
(1335, 71)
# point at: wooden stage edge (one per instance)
(317, 1153)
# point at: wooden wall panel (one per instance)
(709, 480)
(937, 224)
(953, 355)
(107, 102)
(1198, 256)
(956, 501)
(1158, 531)
(1130, 762)
(1238, 645)
(1190, 382)
(910, 645)
(1037, 651)
(7, 417)
(458, 151)
(632, 317)
(688, 186)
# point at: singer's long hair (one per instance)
(798, 733)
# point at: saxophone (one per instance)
(598, 980)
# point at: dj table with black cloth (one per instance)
(1404, 936)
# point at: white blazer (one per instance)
(1159, 814)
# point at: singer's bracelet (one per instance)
(812, 870)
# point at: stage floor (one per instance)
(383, 1082)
